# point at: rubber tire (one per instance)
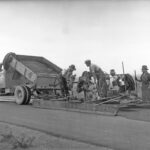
(28, 95)
(20, 100)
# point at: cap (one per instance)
(112, 70)
(88, 61)
(144, 67)
(72, 67)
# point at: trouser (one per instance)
(102, 86)
(145, 93)
(64, 86)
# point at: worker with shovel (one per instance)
(65, 79)
(99, 78)
(145, 79)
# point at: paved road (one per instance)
(141, 112)
(114, 132)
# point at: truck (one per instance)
(24, 76)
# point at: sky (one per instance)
(69, 32)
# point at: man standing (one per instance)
(1, 65)
(99, 78)
(65, 79)
(113, 85)
(145, 79)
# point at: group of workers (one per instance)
(104, 82)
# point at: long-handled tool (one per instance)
(135, 83)
(124, 76)
(110, 100)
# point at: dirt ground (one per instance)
(19, 138)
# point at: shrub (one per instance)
(21, 141)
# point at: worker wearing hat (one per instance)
(113, 85)
(1, 65)
(66, 79)
(69, 72)
(99, 78)
(145, 79)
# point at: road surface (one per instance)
(117, 133)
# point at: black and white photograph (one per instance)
(74, 75)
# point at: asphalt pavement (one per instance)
(118, 133)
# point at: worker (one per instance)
(66, 77)
(113, 84)
(145, 79)
(1, 65)
(68, 74)
(99, 78)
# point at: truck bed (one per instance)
(39, 64)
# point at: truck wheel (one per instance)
(20, 94)
(28, 95)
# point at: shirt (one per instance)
(96, 72)
(94, 68)
(67, 74)
(145, 78)
(113, 81)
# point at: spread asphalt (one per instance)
(128, 131)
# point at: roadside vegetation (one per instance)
(20, 138)
(9, 140)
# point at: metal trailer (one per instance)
(24, 76)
